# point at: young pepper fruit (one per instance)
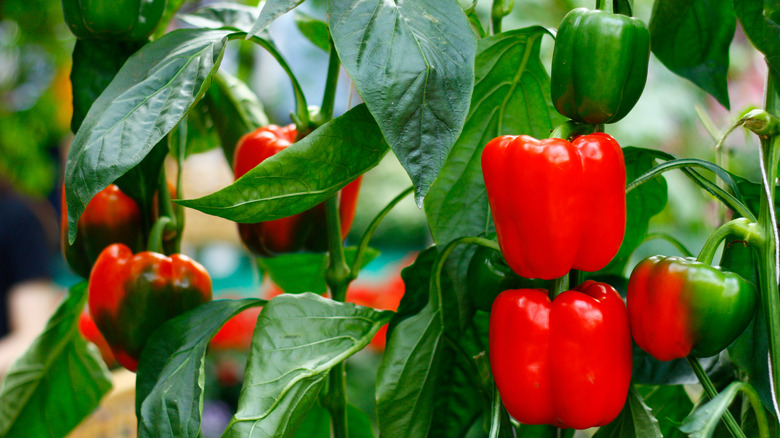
(565, 362)
(113, 20)
(305, 231)
(599, 66)
(132, 295)
(556, 205)
(488, 275)
(680, 307)
(110, 217)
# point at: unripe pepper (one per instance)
(132, 295)
(305, 231)
(565, 362)
(599, 66)
(680, 307)
(488, 275)
(556, 205)
(129, 20)
(110, 217)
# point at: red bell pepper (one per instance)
(304, 231)
(556, 205)
(565, 362)
(132, 295)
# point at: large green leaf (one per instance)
(704, 420)
(692, 37)
(297, 340)
(224, 16)
(635, 421)
(169, 387)
(670, 405)
(148, 97)
(412, 62)
(58, 381)
(761, 22)
(314, 30)
(302, 175)
(317, 423)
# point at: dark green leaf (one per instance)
(272, 9)
(152, 92)
(235, 109)
(670, 405)
(703, 421)
(314, 30)
(761, 22)
(692, 37)
(224, 16)
(650, 371)
(302, 175)
(415, 364)
(95, 62)
(412, 62)
(317, 423)
(169, 386)
(297, 340)
(636, 420)
(305, 272)
(58, 381)
(642, 203)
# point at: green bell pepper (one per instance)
(113, 20)
(488, 275)
(599, 66)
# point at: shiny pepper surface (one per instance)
(129, 20)
(599, 66)
(132, 295)
(556, 205)
(680, 307)
(305, 231)
(489, 275)
(110, 217)
(565, 362)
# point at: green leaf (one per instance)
(171, 7)
(235, 109)
(58, 381)
(224, 16)
(670, 405)
(650, 371)
(415, 363)
(761, 22)
(692, 37)
(198, 129)
(412, 63)
(302, 175)
(305, 272)
(703, 421)
(317, 423)
(635, 420)
(297, 340)
(152, 92)
(642, 203)
(314, 30)
(272, 9)
(169, 386)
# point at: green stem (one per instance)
(301, 115)
(438, 265)
(741, 227)
(709, 388)
(495, 414)
(155, 243)
(329, 98)
(559, 285)
(671, 239)
(570, 129)
(605, 5)
(758, 409)
(372, 227)
(167, 209)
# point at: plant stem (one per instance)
(709, 388)
(372, 227)
(560, 284)
(155, 243)
(758, 408)
(740, 227)
(328, 99)
(495, 414)
(570, 129)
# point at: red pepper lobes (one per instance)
(132, 295)
(565, 362)
(304, 231)
(110, 217)
(556, 205)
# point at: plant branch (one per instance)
(709, 388)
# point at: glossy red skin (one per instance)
(110, 217)
(303, 231)
(130, 295)
(556, 205)
(237, 333)
(567, 362)
(91, 333)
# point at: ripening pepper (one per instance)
(488, 275)
(556, 205)
(128, 20)
(565, 362)
(305, 231)
(680, 307)
(110, 217)
(599, 66)
(132, 295)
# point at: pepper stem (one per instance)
(559, 285)
(155, 243)
(570, 129)
(741, 227)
